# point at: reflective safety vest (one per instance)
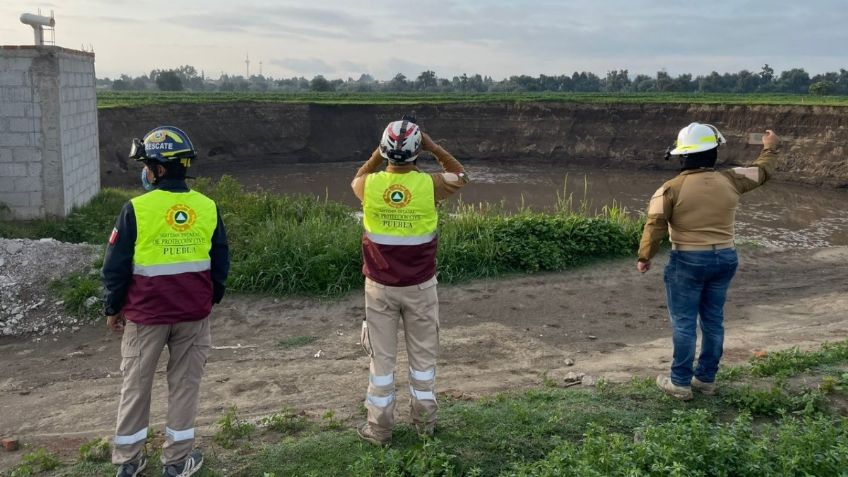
(400, 219)
(171, 265)
(399, 209)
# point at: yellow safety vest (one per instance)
(399, 209)
(174, 232)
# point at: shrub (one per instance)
(231, 429)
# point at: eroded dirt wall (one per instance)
(623, 136)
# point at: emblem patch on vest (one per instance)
(397, 196)
(181, 217)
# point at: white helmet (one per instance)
(401, 141)
(697, 137)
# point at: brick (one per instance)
(10, 444)
(13, 170)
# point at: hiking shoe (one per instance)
(132, 468)
(368, 435)
(684, 393)
(188, 467)
(425, 430)
(705, 388)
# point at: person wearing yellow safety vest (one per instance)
(399, 263)
(697, 210)
(165, 266)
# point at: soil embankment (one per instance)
(625, 136)
(496, 335)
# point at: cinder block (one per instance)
(12, 78)
(28, 212)
(36, 199)
(15, 199)
(13, 170)
(6, 154)
(7, 184)
(28, 184)
(10, 109)
(34, 169)
(24, 125)
(26, 154)
(17, 139)
(12, 94)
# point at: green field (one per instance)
(129, 99)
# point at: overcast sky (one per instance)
(499, 38)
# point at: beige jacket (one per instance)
(698, 207)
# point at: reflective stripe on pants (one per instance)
(417, 307)
(188, 346)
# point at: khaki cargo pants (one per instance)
(418, 307)
(188, 347)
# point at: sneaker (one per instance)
(706, 388)
(368, 435)
(425, 430)
(188, 467)
(132, 468)
(684, 393)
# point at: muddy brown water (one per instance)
(779, 214)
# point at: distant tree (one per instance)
(644, 84)
(426, 81)
(399, 83)
(823, 88)
(746, 82)
(124, 83)
(319, 83)
(795, 80)
(169, 81)
(617, 81)
(139, 83)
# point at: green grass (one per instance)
(292, 245)
(130, 99)
(629, 429)
(76, 292)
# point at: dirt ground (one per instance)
(496, 335)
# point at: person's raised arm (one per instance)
(371, 165)
(453, 178)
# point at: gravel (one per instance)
(27, 268)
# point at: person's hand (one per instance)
(770, 139)
(427, 143)
(116, 323)
(643, 267)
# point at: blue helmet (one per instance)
(163, 144)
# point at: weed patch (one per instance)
(232, 429)
(35, 462)
(296, 341)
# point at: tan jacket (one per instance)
(444, 183)
(698, 207)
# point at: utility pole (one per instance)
(260, 68)
(247, 65)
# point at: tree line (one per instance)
(793, 81)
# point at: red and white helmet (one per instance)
(401, 141)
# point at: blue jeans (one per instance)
(696, 283)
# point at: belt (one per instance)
(701, 248)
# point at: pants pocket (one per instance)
(365, 339)
(129, 346)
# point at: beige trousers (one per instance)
(418, 307)
(188, 347)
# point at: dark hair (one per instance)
(173, 169)
(699, 160)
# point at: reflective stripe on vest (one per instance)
(174, 232)
(399, 209)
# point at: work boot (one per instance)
(684, 393)
(705, 388)
(425, 430)
(188, 467)
(132, 468)
(367, 434)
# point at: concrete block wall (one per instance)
(78, 118)
(48, 131)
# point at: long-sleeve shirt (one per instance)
(445, 183)
(117, 270)
(698, 207)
